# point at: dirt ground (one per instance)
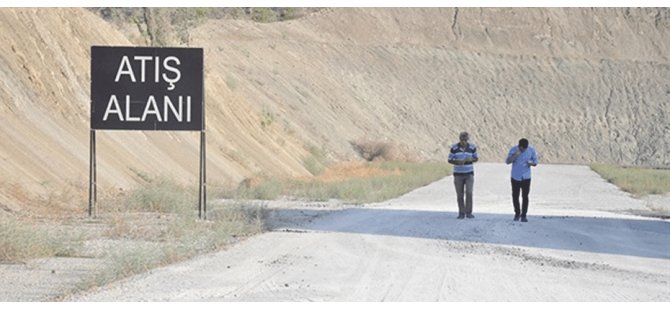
(583, 242)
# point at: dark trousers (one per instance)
(524, 188)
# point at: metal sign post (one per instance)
(202, 197)
(146, 88)
(92, 186)
(202, 200)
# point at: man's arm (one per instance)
(533, 159)
(454, 161)
(475, 156)
(512, 155)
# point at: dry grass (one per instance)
(353, 170)
(153, 225)
(152, 240)
(20, 241)
(159, 223)
(354, 182)
(637, 181)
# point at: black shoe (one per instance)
(470, 216)
(524, 219)
(516, 218)
(461, 216)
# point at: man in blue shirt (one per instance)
(522, 157)
(462, 155)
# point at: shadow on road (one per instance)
(643, 238)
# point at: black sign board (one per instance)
(144, 88)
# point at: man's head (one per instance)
(464, 137)
(523, 144)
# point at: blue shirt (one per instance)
(459, 153)
(520, 167)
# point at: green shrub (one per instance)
(263, 15)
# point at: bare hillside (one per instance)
(44, 140)
(583, 85)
